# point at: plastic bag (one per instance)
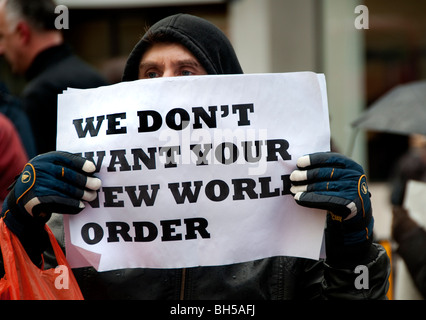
(25, 281)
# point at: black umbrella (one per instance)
(402, 111)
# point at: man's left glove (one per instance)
(335, 183)
(52, 182)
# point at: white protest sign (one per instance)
(195, 170)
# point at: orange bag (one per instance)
(24, 281)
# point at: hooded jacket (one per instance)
(271, 278)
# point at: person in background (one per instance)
(12, 155)
(35, 48)
(11, 107)
(409, 236)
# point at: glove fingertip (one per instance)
(298, 189)
(297, 196)
(89, 196)
(298, 175)
(93, 183)
(304, 161)
(89, 167)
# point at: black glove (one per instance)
(335, 183)
(52, 182)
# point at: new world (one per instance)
(190, 192)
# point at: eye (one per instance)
(152, 74)
(186, 73)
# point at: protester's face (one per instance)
(169, 60)
(10, 42)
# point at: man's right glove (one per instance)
(335, 183)
(52, 182)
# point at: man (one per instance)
(184, 45)
(34, 47)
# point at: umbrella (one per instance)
(402, 111)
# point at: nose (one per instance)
(168, 73)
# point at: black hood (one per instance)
(205, 41)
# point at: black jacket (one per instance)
(53, 71)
